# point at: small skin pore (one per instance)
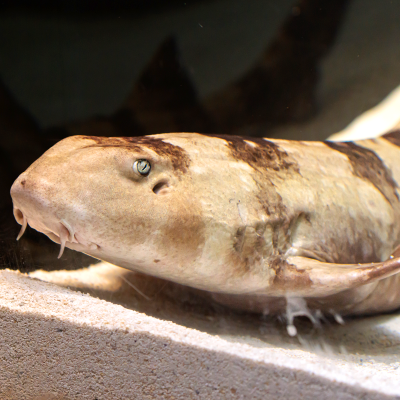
(253, 221)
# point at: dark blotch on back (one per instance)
(268, 159)
(393, 137)
(177, 155)
(367, 165)
(287, 276)
(265, 155)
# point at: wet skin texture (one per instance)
(249, 220)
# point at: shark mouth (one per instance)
(62, 233)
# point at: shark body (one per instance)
(250, 220)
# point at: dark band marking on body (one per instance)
(177, 155)
(393, 137)
(367, 165)
(265, 155)
(287, 276)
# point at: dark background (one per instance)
(299, 70)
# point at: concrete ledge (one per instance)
(57, 343)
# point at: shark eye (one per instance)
(143, 167)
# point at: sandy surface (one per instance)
(65, 344)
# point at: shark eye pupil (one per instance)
(142, 166)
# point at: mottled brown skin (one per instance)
(176, 155)
(393, 137)
(249, 220)
(367, 165)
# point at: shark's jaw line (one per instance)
(65, 236)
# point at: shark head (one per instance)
(145, 203)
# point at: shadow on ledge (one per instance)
(358, 340)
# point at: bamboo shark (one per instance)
(250, 220)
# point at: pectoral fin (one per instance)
(301, 276)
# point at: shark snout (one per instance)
(31, 205)
(38, 203)
(28, 197)
(18, 188)
(19, 197)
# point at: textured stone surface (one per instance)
(58, 343)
